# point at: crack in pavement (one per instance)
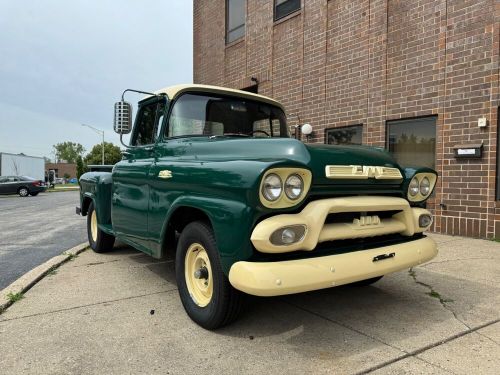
(87, 305)
(432, 293)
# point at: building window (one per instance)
(413, 141)
(347, 135)
(283, 8)
(235, 20)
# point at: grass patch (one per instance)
(70, 256)
(14, 297)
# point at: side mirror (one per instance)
(123, 117)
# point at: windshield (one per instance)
(214, 115)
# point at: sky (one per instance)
(65, 63)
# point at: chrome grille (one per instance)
(362, 172)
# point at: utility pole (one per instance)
(99, 132)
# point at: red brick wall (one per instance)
(343, 62)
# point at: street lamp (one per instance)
(99, 132)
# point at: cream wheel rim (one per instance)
(198, 275)
(93, 226)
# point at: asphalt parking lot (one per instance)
(120, 313)
(34, 229)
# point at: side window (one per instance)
(235, 19)
(347, 135)
(283, 8)
(148, 123)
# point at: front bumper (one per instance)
(296, 276)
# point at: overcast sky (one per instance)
(64, 63)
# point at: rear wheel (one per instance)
(366, 282)
(205, 291)
(23, 191)
(99, 241)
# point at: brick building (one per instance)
(61, 169)
(415, 76)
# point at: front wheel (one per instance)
(99, 241)
(205, 291)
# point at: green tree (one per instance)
(81, 168)
(112, 154)
(68, 151)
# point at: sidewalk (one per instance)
(119, 313)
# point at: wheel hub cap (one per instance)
(93, 226)
(197, 272)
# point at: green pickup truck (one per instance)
(213, 175)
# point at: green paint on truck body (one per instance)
(218, 178)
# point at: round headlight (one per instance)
(294, 186)
(271, 188)
(425, 186)
(414, 187)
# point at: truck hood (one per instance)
(283, 150)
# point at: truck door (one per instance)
(131, 189)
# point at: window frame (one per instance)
(342, 128)
(227, 31)
(387, 134)
(275, 14)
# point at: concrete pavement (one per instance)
(120, 313)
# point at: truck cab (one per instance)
(213, 175)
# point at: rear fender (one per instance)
(96, 187)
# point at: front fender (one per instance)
(232, 222)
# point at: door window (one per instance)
(148, 123)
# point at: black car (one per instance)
(21, 185)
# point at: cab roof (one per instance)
(173, 91)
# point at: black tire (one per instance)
(23, 191)
(99, 241)
(366, 282)
(34, 194)
(225, 302)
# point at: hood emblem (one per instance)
(165, 174)
(362, 172)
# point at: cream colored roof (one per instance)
(173, 91)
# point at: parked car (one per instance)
(22, 185)
(58, 181)
(213, 174)
(73, 180)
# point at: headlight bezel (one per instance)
(421, 176)
(284, 173)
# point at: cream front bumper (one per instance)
(296, 276)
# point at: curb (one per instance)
(29, 279)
